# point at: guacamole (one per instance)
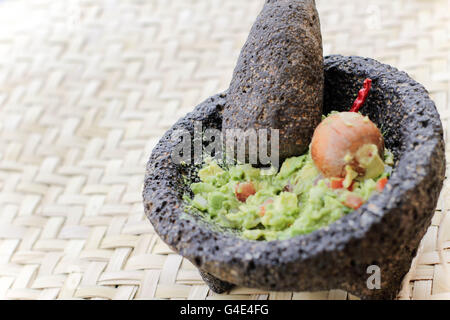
(264, 205)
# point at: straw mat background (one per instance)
(88, 87)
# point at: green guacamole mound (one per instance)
(296, 200)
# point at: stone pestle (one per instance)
(279, 79)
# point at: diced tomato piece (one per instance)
(381, 184)
(262, 208)
(262, 211)
(244, 190)
(353, 201)
(337, 183)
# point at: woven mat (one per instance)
(88, 87)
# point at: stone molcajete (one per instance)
(385, 231)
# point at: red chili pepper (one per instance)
(362, 96)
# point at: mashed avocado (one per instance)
(294, 201)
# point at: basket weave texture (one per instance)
(88, 87)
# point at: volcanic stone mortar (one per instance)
(385, 231)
